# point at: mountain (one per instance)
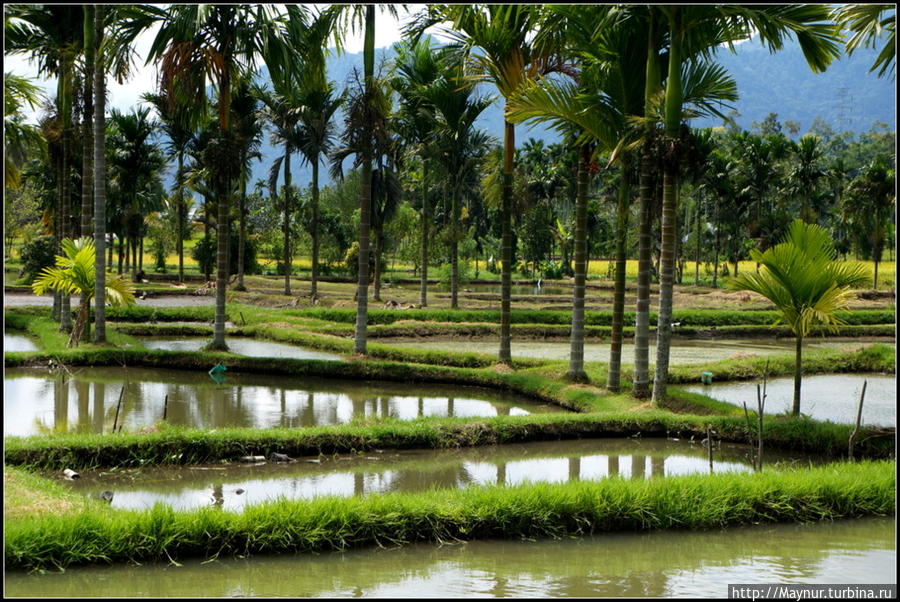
(847, 96)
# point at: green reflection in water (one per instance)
(660, 564)
(37, 401)
(237, 486)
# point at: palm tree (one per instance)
(807, 174)
(496, 39)
(19, 139)
(282, 112)
(203, 41)
(459, 147)
(74, 274)
(175, 123)
(99, 176)
(54, 36)
(867, 22)
(697, 30)
(363, 17)
(248, 127)
(869, 204)
(801, 277)
(417, 67)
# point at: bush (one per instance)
(37, 254)
(206, 249)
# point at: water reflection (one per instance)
(240, 346)
(833, 397)
(236, 486)
(17, 342)
(608, 565)
(39, 401)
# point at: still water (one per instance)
(493, 289)
(240, 346)
(37, 401)
(655, 564)
(833, 397)
(236, 486)
(17, 342)
(682, 351)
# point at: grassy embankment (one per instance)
(88, 532)
(102, 534)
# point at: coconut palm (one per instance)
(802, 279)
(697, 30)
(202, 42)
(74, 275)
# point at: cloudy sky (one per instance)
(125, 96)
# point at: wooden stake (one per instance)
(858, 420)
(118, 405)
(165, 406)
(709, 445)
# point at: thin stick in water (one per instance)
(118, 405)
(862, 397)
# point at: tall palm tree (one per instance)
(175, 123)
(417, 67)
(697, 30)
(801, 277)
(497, 41)
(459, 147)
(870, 201)
(248, 127)
(87, 171)
(53, 34)
(283, 114)
(362, 17)
(99, 176)
(202, 42)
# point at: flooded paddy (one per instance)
(492, 289)
(17, 342)
(236, 486)
(240, 346)
(656, 564)
(833, 397)
(685, 351)
(41, 401)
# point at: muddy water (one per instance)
(682, 352)
(236, 486)
(17, 342)
(657, 564)
(833, 397)
(240, 346)
(85, 400)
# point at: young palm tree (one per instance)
(801, 277)
(74, 274)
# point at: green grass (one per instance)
(105, 535)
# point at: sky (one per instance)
(126, 96)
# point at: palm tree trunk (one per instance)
(242, 230)
(669, 208)
(641, 379)
(618, 316)
(65, 307)
(377, 245)
(314, 285)
(423, 285)
(99, 180)
(179, 242)
(576, 371)
(223, 192)
(365, 192)
(509, 145)
(697, 253)
(287, 220)
(798, 376)
(454, 248)
(87, 171)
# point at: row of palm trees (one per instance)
(615, 80)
